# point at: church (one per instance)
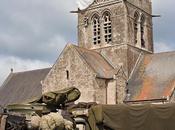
(113, 63)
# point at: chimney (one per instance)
(11, 70)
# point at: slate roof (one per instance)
(153, 78)
(21, 86)
(97, 62)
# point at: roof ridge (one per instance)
(164, 52)
(105, 58)
(136, 64)
(83, 51)
(118, 71)
(83, 48)
(83, 58)
(6, 80)
(32, 70)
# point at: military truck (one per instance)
(47, 112)
(86, 116)
(130, 117)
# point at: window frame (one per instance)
(142, 30)
(96, 29)
(107, 27)
(136, 28)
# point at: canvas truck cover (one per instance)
(63, 96)
(132, 117)
(47, 102)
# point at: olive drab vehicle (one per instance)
(56, 111)
(47, 112)
(131, 117)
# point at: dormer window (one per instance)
(107, 27)
(96, 30)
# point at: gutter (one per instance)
(148, 100)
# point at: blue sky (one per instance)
(33, 32)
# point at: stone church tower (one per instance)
(112, 36)
(119, 29)
(113, 62)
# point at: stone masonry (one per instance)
(127, 40)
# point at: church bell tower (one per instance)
(119, 29)
(113, 22)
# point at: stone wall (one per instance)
(116, 56)
(144, 8)
(112, 92)
(122, 18)
(145, 5)
(85, 32)
(80, 76)
(122, 55)
(121, 80)
(83, 77)
(133, 55)
(71, 70)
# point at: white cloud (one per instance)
(83, 4)
(39, 29)
(28, 28)
(163, 47)
(18, 64)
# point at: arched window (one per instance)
(96, 29)
(142, 22)
(107, 27)
(136, 18)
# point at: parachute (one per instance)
(83, 4)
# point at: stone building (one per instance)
(113, 63)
